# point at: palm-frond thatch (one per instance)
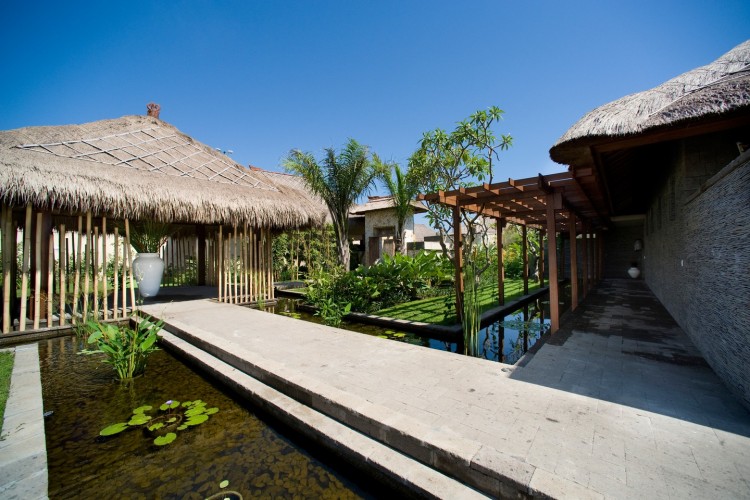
(140, 167)
(719, 88)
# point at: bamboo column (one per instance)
(50, 279)
(87, 258)
(25, 267)
(244, 264)
(269, 253)
(124, 277)
(38, 270)
(63, 271)
(105, 301)
(95, 273)
(77, 275)
(234, 264)
(7, 250)
(130, 268)
(219, 262)
(116, 276)
(251, 264)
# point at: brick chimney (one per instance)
(153, 109)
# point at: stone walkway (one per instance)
(617, 405)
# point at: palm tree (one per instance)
(403, 190)
(339, 180)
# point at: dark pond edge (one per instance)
(438, 332)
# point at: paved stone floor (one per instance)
(616, 405)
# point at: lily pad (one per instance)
(142, 409)
(171, 420)
(211, 411)
(196, 419)
(196, 410)
(113, 429)
(156, 426)
(223, 484)
(182, 427)
(165, 439)
(139, 419)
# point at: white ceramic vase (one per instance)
(634, 272)
(148, 269)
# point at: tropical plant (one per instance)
(173, 417)
(149, 236)
(403, 189)
(333, 311)
(126, 349)
(339, 179)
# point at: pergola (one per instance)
(555, 203)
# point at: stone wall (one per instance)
(697, 252)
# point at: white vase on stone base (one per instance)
(634, 272)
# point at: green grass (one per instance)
(433, 310)
(6, 368)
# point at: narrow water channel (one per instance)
(234, 445)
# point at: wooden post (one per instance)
(77, 275)
(220, 261)
(8, 250)
(25, 268)
(37, 270)
(600, 260)
(124, 278)
(554, 292)
(269, 262)
(458, 260)
(63, 269)
(573, 262)
(500, 264)
(525, 253)
(235, 249)
(585, 257)
(541, 258)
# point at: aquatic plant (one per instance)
(173, 417)
(126, 348)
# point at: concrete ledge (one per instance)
(353, 446)
(486, 469)
(23, 449)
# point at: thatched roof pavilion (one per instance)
(70, 195)
(141, 167)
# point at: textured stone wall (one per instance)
(618, 250)
(697, 252)
(381, 219)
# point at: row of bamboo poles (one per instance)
(51, 298)
(244, 269)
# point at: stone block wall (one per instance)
(697, 252)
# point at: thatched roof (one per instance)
(719, 88)
(140, 167)
(384, 203)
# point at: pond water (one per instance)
(516, 333)
(234, 445)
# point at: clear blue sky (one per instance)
(261, 78)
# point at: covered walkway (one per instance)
(618, 404)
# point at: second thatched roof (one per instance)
(719, 88)
(140, 167)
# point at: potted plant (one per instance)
(634, 272)
(147, 238)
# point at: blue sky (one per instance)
(261, 78)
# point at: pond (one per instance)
(504, 340)
(233, 445)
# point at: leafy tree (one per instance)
(339, 179)
(449, 161)
(403, 189)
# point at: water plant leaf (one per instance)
(211, 411)
(174, 404)
(157, 425)
(196, 419)
(173, 419)
(139, 419)
(187, 403)
(113, 429)
(142, 409)
(223, 484)
(182, 427)
(165, 439)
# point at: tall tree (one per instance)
(339, 179)
(403, 190)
